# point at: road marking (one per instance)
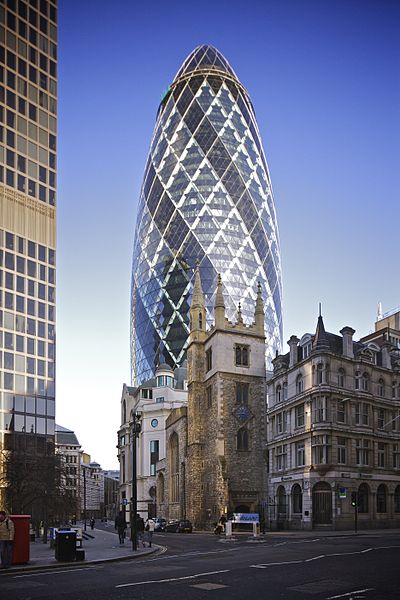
(306, 560)
(185, 554)
(121, 585)
(350, 593)
(305, 541)
(53, 572)
(286, 562)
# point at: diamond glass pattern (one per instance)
(206, 195)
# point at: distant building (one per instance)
(153, 401)
(387, 329)
(69, 449)
(92, 486)
(111, 488)
(334, 429)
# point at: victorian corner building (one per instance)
(28, 109)
(334, 429)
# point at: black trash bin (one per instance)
(65, 545)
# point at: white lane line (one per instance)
(53, 572)
(345, 553)
(315, 558)
(184, 555)
(305, 541)
(286, 562)
(350, 593)
(171, 579)
(306, 560)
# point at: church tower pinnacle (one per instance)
(219, 306)
(197, 309)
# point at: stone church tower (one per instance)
(226, 409)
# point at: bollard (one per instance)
(228, 529)
(256, 530)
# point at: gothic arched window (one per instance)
(242, 439)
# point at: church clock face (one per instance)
(242, 413)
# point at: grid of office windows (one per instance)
(27, 335)
(28, 97)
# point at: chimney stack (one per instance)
(294, 340)
(347, 333)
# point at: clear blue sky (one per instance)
(324, 80)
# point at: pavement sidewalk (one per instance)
(102, 546)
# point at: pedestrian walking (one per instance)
(140, 530)
(6, 539)
(150, 527)
(120, 526)
(92, 522)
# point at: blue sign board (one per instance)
(246, 518)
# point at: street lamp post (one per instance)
(84, 498)
(135, 430)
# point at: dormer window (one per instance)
(306, 350)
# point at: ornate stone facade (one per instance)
(225, 468)
(334, 429)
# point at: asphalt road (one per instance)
(202, 566)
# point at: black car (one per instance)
(181, 526)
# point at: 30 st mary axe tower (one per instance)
(28, 109)
(206, 195)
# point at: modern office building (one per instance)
(28, 115)
(206, 196)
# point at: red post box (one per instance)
(21, 539)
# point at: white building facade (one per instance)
(152, 402)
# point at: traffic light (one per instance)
(354, 499)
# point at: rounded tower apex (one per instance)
(163, 367)
(205, 57)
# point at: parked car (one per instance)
(160, 523)
(181, 526)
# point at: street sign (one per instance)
(124, 501)
(246, 518)
(342, 492)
